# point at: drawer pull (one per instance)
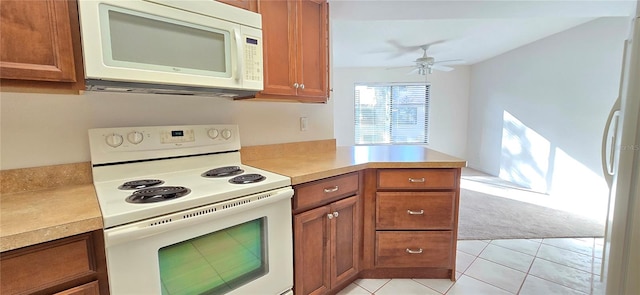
(419, 251)
(331, 190)
(415, 212)
(415, 180)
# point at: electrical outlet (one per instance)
(304, 122)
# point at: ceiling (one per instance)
(383, 33)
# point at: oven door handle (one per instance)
(144, 229)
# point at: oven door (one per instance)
(242, 246)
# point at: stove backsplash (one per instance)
(63, 139)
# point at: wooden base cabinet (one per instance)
(327, 238)
(73, 265)
(410, 223)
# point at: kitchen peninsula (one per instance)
(367, 211)
(370, 185)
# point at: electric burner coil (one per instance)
(157, 194)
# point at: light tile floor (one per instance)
(520, 266)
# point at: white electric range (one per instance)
(164, 189)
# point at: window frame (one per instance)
(427, 114)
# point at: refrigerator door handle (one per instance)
(609, 147)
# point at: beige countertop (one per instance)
(41, 204)
(322, 164)
(35, 210)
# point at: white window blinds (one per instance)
(392, 113)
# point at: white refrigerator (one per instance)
(621, 164)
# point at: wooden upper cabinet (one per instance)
(251, 5)
(279, 48)
(312, 57)
(296, 49)
(40, 41)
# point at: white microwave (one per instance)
(200, 47)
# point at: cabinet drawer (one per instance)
(415, 210)
(86, 289)
(42, 266)
(414, 249)
(323, 191)
(417, 178)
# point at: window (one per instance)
(392, 113)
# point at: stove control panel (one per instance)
(137, 143)
(177, 136)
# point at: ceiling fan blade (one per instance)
(442, 68)
(426, 46)
(450, 62)
(402, 49)
(412, 71)
(403, 67)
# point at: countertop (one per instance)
(29, 218)
(322, 164)
(32, 212)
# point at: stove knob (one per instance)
(114, 140)
(135, 137)
(213, 133)
(226, 134)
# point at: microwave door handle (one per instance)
(240, 52)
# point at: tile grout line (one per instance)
(517, 250)
(490, 284)
(561, 264)
(445, 292)
(555, 283)
(530, 266)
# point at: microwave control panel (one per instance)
(253, 58)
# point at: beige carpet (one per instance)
(487, 217)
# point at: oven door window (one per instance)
(215, 263)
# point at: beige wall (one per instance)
(49, 129)
(539, 110)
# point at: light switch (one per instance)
(304, 121)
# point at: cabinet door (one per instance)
(279, 49)
(36, 41)
(311, 251)
(345, 237)
(312, 55)
(250, 5)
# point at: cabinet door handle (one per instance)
(335, 214)
(419, 251)
(415, 212)
(330, 216)
(296, 85)
(416, 179)
(331, 190)
(301, 86)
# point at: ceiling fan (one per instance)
(426, 64)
